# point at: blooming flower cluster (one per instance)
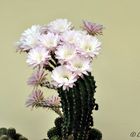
(61, 50)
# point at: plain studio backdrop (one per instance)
(116, 70)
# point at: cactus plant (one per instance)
(10, 134)
(94, 134)
(53, 132)
(77, 106)
(65, 53)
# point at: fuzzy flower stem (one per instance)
(53, 108)
(49, 68)
(54, 58)
(52, 63)
(48, 85)
(57, 110)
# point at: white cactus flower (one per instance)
(89, 46)
(53, 101)
(65, 52)
(29, 38)
(38, 56)
(59, 26)
(63, 77)
(79, 65)
(49, 40)
(73, 37)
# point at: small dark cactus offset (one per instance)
(10, 134)
(94, 134)
(56, 132)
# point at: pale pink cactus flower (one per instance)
(53, 101)
(37, 78)
(49, 40)
(65, 52)
(35, 99)
(63, 77)
(79, 65)
(93, 28)
(38, 56)
(89, 46)
(59, 26)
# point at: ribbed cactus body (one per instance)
(77, 105)
(10, 134)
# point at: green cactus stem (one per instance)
(94, 134)
(55, 131)
(3, 131)
(58, 122)
(10, 134)
(77, 105)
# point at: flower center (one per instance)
(67, 53)
(78, 65)
(87, 47)
(39, 57)
(66, 77)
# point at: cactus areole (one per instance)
(66, 54)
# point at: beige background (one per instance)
(116, 70)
